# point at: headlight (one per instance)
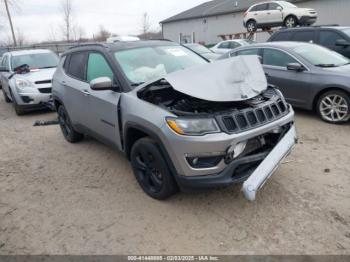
(23, 83)
(193, 127)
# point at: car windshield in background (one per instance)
(320, 56)
(36, 61)
(143, 64)
(347, 31)
(287, 5)
(199, 49)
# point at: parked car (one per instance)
(336, 38)
(183, 122)
(203, 51)
(277, 13)
(310, 76)
(26, 78)
(122, 38)
(228, 45)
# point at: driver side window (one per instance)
(278, 58)
(98, 67)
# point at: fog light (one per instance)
(204, 162)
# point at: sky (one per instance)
(40, 20)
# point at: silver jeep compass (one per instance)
(183, 122)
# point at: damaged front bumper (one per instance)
(264, 171)
(258, 168)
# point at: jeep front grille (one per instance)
(240, 121)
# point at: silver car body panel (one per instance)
(234, 79)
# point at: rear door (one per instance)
(308, 36)
(295, 86)
(261, 14)
(103, 105)
(328, 39)
(274, 16)
(76, 88)
(4, 75)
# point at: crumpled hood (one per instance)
(40, 75)
(233, 79)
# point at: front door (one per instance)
(295, 86)
(103, 105)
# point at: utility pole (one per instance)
(10, 21)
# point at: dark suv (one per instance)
(336, 38)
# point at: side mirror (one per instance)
(101, 83)
(342, 42)
(4, 69)
(279, 8)
(295, 67)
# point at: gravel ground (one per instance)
(58, 198)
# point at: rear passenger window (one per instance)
(277, 58)
(303, 36)
(328, 38)
(225, 45)
(280, 37)
(262, 7)
(98, 67)
(77, 65)
(248, 52)
(234, 45)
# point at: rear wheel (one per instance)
(68, 131)
(291, 21)
(334, 107)
(251, 26)
(151, 171)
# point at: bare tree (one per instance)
(102, 34)
(145, 24)
(78, 32)
(66, 7)
(21, 40)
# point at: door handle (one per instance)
(267, 75)
(85, 92)
(269, 13)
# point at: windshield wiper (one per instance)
(326, 65)
(137, 84)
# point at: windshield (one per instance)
(320, 56)
(286, 5)
(147, 63)
(36, 61)
(199, 49)
(347, 31)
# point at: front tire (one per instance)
(151, 171)
(291, 21)
(17, 108)
(67, 128)
(252, 26)
(334, 107)
(7, 99)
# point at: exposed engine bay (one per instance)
(162, 94)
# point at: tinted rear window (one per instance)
(77, 65)
(303, 36)
(280, 37)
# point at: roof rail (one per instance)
(88, 44)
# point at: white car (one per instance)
(277, 13)
(228, 45)
(26, 78)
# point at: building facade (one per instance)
(204, 23)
